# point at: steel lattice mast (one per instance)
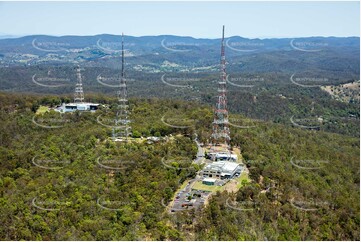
(122, 128)
(221, 132)
(79, 94)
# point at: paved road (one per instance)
(183, 195)
(182, 198)
(200, 154)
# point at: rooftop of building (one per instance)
(225, 166)
(209, 179)
(80, 104)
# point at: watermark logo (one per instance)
(178, 122)
(307, 46)
(49, 164)
(172, 46)
(241, 123)
(103, 80)
(48, 205)
(308, 164)
(112, 47)
(49, 46)
(306, 123)
(111, 205)
(168, 81)
(245, 80)
(241, 206)
(42, 81)
(298, 81)
(115, 164)
(112, 123)
(308, 205)
(245, 45)
(107, 81)
(337, 120)
(163, 203)
(177, 163)
(49, 122)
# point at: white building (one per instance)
(221, 169)
(71, 107)
(222, 156)
(226, 156)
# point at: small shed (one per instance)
(209, 181)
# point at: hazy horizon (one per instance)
(195, 19)
(7, 36)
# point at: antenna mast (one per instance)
(122, 129)
(79, 94)
(220, 124)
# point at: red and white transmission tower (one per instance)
(220, 132)
(78, 94)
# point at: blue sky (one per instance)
(197, 19)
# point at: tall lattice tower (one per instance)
(220, 132)
(122, 130)
(79, 94)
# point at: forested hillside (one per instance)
(268, 79)
(63, 179)
(265, 96)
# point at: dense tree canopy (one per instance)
(73, 183)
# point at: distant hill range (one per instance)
(268, 79)
(7, 36)
(185, 54)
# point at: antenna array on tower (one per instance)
(220, 124)
(79, 94)
(122, 130)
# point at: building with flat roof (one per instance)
(209, 181)
(78, 104)
(221, 170)
(226, 156)
(222, 156)
(72, 107)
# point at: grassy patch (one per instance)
(42, 109)
(242, 177)
(199, 186)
